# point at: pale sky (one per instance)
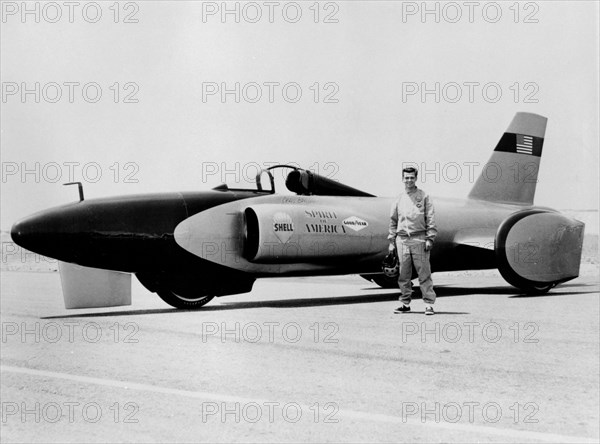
(365, 62)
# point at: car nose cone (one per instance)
(53, 232)
(33, 232)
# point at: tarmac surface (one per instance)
(304, 360)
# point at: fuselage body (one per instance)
(136, 233)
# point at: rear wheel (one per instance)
(185, 301)
(536, 290)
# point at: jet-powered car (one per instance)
(190, 247)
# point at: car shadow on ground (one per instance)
(390, 295)
(279, 303)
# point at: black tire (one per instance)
(536, 290)
(183, 301)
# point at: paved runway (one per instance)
(304, 360)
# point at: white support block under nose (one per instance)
(85, 287)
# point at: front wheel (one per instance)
(183, 301)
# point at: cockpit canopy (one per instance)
(302, 182)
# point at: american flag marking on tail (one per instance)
(524, 144)
(520, 144)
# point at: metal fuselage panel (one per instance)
(136, 233)
(128, 233)
(319, 224)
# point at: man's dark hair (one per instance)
(410, 170)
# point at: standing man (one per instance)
(412, 233)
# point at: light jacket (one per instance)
(412, 214)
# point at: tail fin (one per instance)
(510, 176)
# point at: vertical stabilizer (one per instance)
(510, 176)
